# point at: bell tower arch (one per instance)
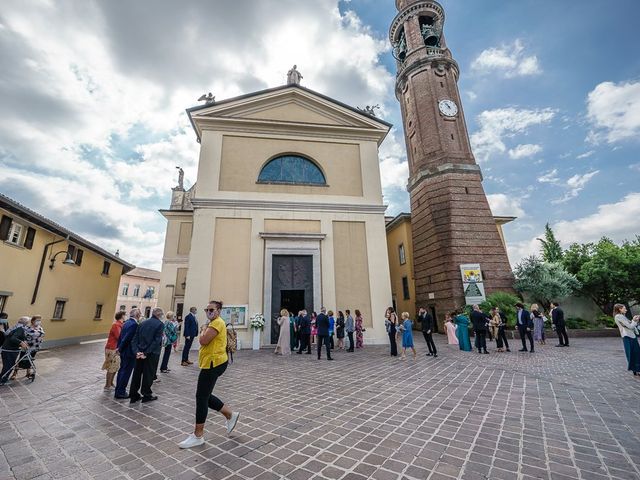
(451, 221)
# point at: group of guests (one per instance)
(133, 352)
(25, 336)
(530, 326)
(302, 331)
(400, 332)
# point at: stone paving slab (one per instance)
(561, 413)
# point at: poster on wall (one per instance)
(472, 283)
(236, 315)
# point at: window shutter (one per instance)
(71, 251)
(5, 226)
(79, 254)
(28, 241)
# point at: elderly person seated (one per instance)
(15, 340)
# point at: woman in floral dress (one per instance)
(359, 330)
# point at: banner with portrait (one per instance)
(472, 283)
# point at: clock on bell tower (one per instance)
(451, 221)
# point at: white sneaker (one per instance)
(191, 441)
(231, 423)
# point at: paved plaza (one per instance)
(561, 413)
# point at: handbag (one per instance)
(232, 341)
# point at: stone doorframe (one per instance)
(289, 244)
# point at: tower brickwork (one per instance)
(452, 223)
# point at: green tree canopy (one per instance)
(551, 249)
(608, 273)
(544, 281)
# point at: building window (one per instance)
(147, 312)
(79, 255)
(150, 292)
(71, 251)
(105, 268)
(75, 254)
(123, 308)
(3, 302)
(98, 311)
(405, 288)
(15, 234)
(291, 169)
(403, 258)
(58, 311)
(125, 289)
(136, 291)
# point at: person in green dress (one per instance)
(462, 332)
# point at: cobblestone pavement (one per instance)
(561, 413)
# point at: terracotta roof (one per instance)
(144, 272)
(31, 216)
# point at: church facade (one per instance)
(286, 212)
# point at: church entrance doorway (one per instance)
(291, 287)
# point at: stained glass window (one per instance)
(291, 169)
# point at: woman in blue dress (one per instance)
(407, 335)
(462, 332)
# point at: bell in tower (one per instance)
(452, 224)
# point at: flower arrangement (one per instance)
(257, 321)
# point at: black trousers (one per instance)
(524, 334)
(305, 342)
(8, 361)
(324, 339)
(481, 340)
(502, 338)
(351, 344)
(392, 342)
(331, 344)
(204, 396)
(143, 373)
(186, 348)
(563, 338)
(165, 357)
(428, 337)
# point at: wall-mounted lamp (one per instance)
(183, 285)
(67, 261)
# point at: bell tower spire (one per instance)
(451, 221)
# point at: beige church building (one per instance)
(286, 212)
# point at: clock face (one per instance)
(448, 108)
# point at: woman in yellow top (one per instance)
(212, 360)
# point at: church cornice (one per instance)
(199, 203)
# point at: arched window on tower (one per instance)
(291, 170)
(431, 31)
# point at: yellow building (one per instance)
(400, 251)
(287, 212)
(48, 270)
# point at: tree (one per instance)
(544, 281)
(609, 273)
(551, 249)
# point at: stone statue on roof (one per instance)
(294, 76)
(180, 178)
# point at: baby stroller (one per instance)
(25, 361)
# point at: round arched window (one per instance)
(291, 169)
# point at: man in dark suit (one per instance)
(322, 324)
(304, 329)
(524, 322)
(147, 345)
(557, 317)
(479, 319)
(127, 355)
(190, 332)
(426, 320)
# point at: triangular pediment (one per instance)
(289, 105)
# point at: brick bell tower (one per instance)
(451, 221)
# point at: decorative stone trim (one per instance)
(277, 205)
(293, 236)
(434, 7)
(442, 169)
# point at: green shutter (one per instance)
(28, 241)
(5, 226)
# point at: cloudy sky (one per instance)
(93, 93)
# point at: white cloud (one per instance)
(611, 220)
(92, 119)
(575, 185)
(471, 95)
(635, 167)
(510, 60)
(614, 112)
(523, 248)
(505, 205)
(585, 154)
(524, 151)
(394, 169)
(549, 177)
(497, 124)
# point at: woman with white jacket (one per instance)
(629, 333)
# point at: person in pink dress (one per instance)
(359, 330)
(314, 328)
(451, 330)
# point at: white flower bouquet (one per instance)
(257, 321)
